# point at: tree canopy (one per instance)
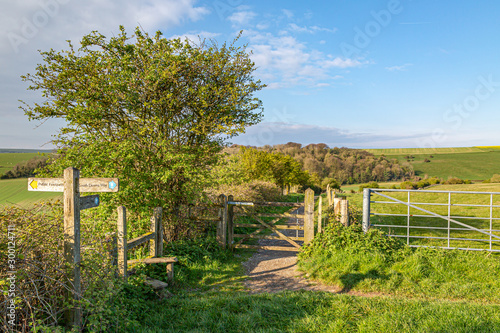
(149, 110)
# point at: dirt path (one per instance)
(272, 271)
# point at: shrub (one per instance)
(495, 178)
(352, 239)
(256, 190)
(407, 185)
(456, 181)
(369, 185)
(42, 280)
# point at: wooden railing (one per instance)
(154, 237)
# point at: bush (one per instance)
(256, 190)
(369, 185)
(352, 239)
(407, 185)
(495, 178)
(42, 280)
(456, 181)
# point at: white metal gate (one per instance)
(446, 219)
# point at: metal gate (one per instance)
(445, 219)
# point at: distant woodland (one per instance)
(345, 165)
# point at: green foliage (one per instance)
(346, 166)
(281, 169)
(149, 110)
(42, 275)
(369, 185)
(455, 181)
(373, 262)
(351, 240)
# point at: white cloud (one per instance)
(398, 68)
(29, 25)
(310, 29)
(242, 17)
(339, 62)
(291, 62)
(195, 36)
(288, 13)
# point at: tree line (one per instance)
(337, 165)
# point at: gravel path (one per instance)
(273, 271)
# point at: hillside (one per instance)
(347, 166)
(475, 163)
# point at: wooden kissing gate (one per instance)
(226, 226)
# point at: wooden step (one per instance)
(170, 261)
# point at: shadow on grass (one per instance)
(350, 280)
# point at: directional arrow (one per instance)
(89, 201)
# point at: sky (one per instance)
(359, 74)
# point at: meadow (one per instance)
(474, 163)
(9, 160)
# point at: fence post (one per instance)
(320, 204)
(72, 240)
(230, 226)
(155, 228)
(159, 235)
(336, 205)
(309, 216)
(122, 242)
(222, 225)
(328, 194)
(366, 209)
(344, 212)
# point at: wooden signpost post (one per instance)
(71, 185)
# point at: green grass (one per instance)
(15, 192)
(9, 160)
(426, 151)
(475, 166)
(316, 312)
(356, 199)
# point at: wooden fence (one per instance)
(154, 237)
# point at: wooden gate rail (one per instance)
(261, 227)
(226, 225)
(155, 237)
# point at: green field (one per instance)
(15, 192)
(424, 151)
(356, 199)
(9, 160)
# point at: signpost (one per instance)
(71, 185)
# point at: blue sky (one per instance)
(362, 74)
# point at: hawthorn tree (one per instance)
(150, 110)
(278, 168)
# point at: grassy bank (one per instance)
(372, 262)
(317, 312)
